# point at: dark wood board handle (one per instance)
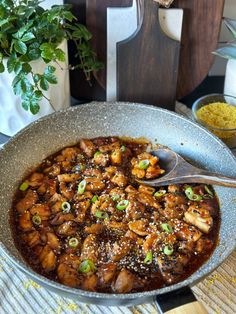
(147, 62)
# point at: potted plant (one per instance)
(32, 58)
(229, 52)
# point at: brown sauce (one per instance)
(116, 236)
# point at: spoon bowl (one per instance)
(178, 170)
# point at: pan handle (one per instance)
(181, 301)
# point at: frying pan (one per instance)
(51, 133)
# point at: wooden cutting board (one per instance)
(200, 33)
(147, 62)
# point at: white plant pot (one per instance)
(230, 78)
(12, 116)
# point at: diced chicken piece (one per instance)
(119, 179)
(155, 241)
(89, 283)
(49, 187)
(70, 153)
(199, 217)
(203, 245)
(139, 173)
(131, 189)
(139, 227)
(90, 248)
(53, 241)
(53, 171)
(148, 200)
(81, 210)
(124, 282)
(67, 190)
(154, 172)
(68, 228)
(119, 226)
(107, 272)
(101, 159)
(146, 189)
(42, 210)
(94, 229)
(94, 184)
(171, 267)
(109, 172)
(25, 222)
(135, 209)
(121, 248)
(60, 218)
(185, 232)
(116, 157)
(32, 238)
(88, 147)
(150, 242)
(36, 179)
(175, 201)
(173, 188)
(68, 275)
(27, 202)
(48, 259)
(109, 147)
(73, 260)
(187, 246)
(68, 177)
(93, 172)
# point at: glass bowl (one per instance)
(227, 135)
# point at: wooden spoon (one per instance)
(178, 170)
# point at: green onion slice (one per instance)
(87, 266)
(73, 242)
(122, 205)
(159, 193)
(208, 190)
(101, 214)
(115, 197)
(96, 154)
(78, 168)
(148, 258)
(166, 227)
(82, 186)
(143, 164)
(65, 206)
(168, 250)
(192, 196)
(94, 199)
(36, 220)
(123, 148)
(24, 186)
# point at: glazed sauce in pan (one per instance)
(81, 218)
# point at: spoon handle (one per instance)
(213, 178)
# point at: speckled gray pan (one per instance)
(53, 132)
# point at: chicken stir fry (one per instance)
(83, 220)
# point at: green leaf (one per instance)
(34, 107)
(25, 105)
(1, 56)
(2, 68)
(50, 69)
(26, 68)
(27, 37)
(60, 54)
(17, 67)
(51, 78)
(11, 63)
(34, 54)
(37, 78)
(38, 95)
(231, 25)
(69, 16)
(20, 47)
(228, 52)
(44, 84)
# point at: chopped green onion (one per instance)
(82, 186)
(208, 190)
(24, 186)
(143, 164)
(168, 250)
(87, 266)
(73, 242)
(148, 258)
(159, 193)
(122, 205)
(101, 214)
(36, 219)
(123, 148)
(78, 168)
(192, 196)
(115, 197)
(94, 199)
(96, 154)
(65, 206)
(166, 227)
